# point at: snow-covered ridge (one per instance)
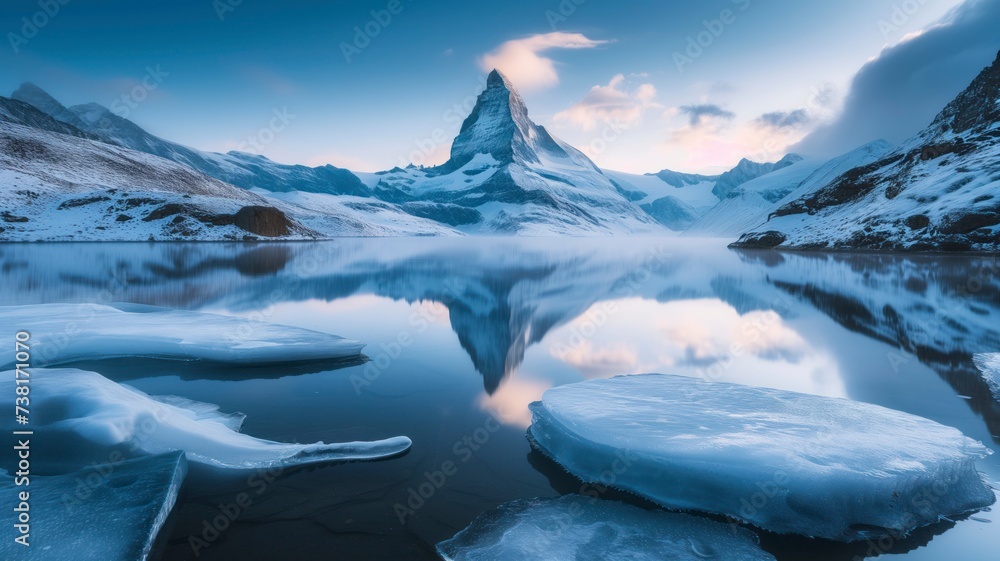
(937, 191)
(59, 184)
(751, 203)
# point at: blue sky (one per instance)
(614, 78)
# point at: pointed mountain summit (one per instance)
(499, 126)
(936, 192)
(518, 178)
(40, 99)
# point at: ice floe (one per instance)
(62, 333)
(989, 365)
(574, 528)
(108, 512)
(111, 414)
(783, 461)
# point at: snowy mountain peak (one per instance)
(30, 93)
(40, 99)
(497, 78)
(747, 170)
(500, 127)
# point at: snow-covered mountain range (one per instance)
(76, 173)
(937, 191)
(62, 187)
(506, 175)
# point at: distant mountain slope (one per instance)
(750, 204)
(747, 170)
(57, 186)
(937, 191)
(506, 174)
(241, 169)
(18, 112)
(678, 200)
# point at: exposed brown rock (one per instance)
(263, 220)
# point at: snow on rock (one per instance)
(679, 200)
(346, 215)
(109, 513)
(63, 333)
(783, 461)
(747, 170)
(111, 414)
(750, 204)
(242, 169)
(936, 192)
(60, 187)
(573, 528)
(518, 177)
(989, 365)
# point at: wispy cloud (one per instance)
(522, 61)
(710, 137)
(704, 112)
(784, 119)
(613, 103)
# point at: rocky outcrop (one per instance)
(934, 193)
(263, 221)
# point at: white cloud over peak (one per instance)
(614, 103)
(523, 62)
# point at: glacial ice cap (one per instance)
(107, 512)
(785, 462)
(111, 414)
(62, 333)
(578, 528)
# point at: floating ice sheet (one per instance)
(62, 333)
(111, 512)
(989, 365)
(785, 462)
(111, 414)
(577, 528)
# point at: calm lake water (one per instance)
(463, 334)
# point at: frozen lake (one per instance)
(463, 334)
